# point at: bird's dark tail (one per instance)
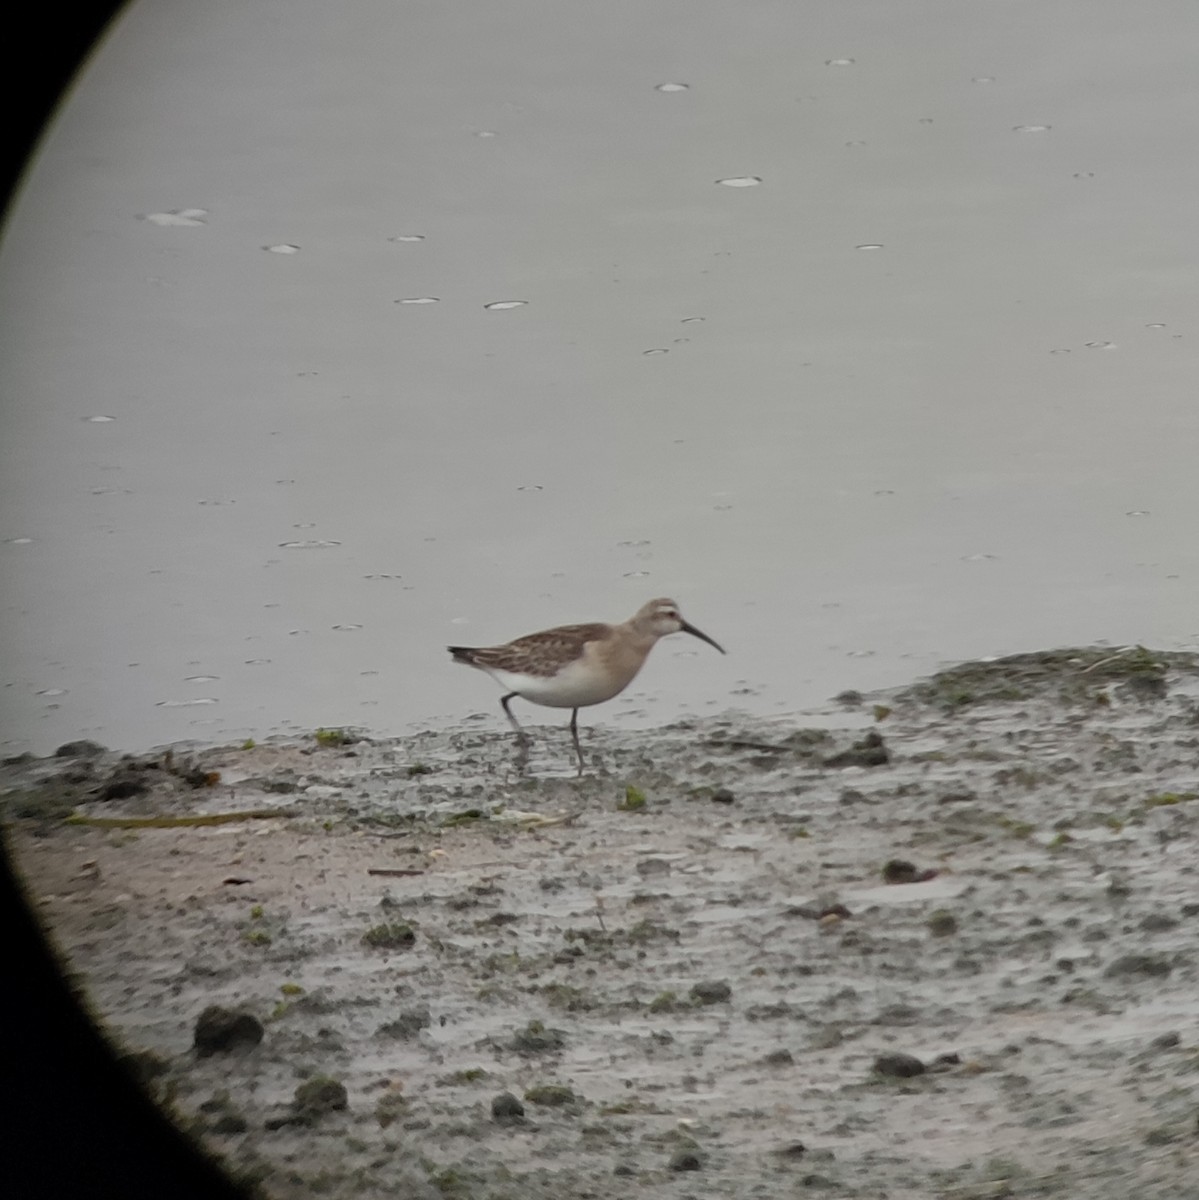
(463, 654)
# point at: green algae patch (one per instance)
(1072, 675)
(391, 935)
(1167, 799)
(189, 821)
(551, 1095)
(634, 800)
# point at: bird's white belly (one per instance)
(575, 686)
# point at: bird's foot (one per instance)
(523, 744)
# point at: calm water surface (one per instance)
(330, 335)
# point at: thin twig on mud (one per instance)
(1110, 658)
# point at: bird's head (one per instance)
(662, 616)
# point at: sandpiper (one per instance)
(573, 666)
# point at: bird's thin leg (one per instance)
(574, 733)
(521, 736)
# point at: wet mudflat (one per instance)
(943, 945)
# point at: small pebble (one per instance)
(871, 751)
(962, 797)
(647, 867)
(899, 870)
(685, 1160)
(898, 1066)
(507, 1109)
(942, 923)
(320, 1094)
(84, 748)
(220, 1029)
(821, 1182)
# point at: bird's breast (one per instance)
(596, 675)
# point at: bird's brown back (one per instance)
(542, 654)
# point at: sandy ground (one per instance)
(695, 971)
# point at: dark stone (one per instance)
(497, 919)
(779, 1058)
(723, 796)
(221, 1029)
(121, 786)
(685, 1160)
(899, 870)
(962, 797)
(506, 1109)
(871, 751)
(624, 1169)
(1166, 1041)
(1144, 685)
(407, 1024)
(1159, 923)
(817, 911)
(898, 1066)
(850, 698)
(536, 1039)
(319, 1095)
(84, 748)
(792, 1150)
(230, 1122)
(1150, 966)
(942, 923)
(711, 992)
(652, 866)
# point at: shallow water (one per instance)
(924, 392)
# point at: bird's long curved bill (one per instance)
(703, 637)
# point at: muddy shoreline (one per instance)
(937, 942)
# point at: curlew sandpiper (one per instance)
(573, 666)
